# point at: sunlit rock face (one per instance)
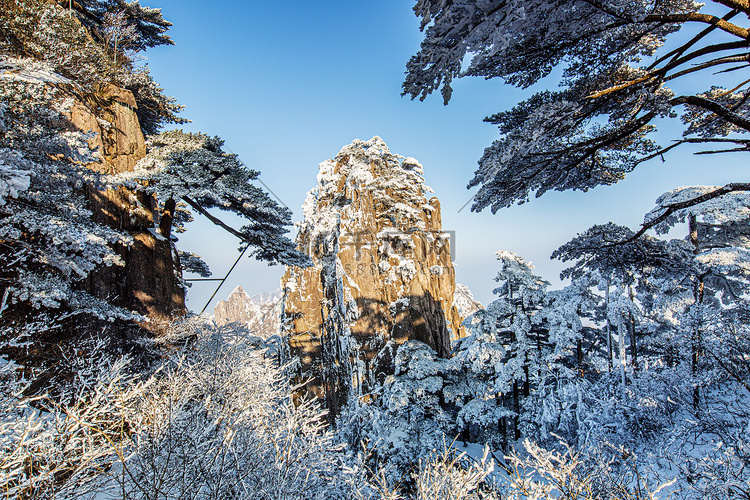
(148, 283)
(382, 273)
(260, 314)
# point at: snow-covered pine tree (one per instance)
(569, 364)
(715, 285)
(194, 169)
(504, 348)
(689, 299)
(622, 262)
(70, 41)
(148, 27)
(705, 309)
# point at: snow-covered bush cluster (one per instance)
(12, 181)
(214, 420)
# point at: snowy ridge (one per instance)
(464, 301)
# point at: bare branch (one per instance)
(661, 152)
(717, 151)
(676, 53)
(714, 62)
(697, 17)
(709, 49)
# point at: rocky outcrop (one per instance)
(111, 115)
(465, 302)
(76, 339)
(259, 314)
(382, 273)
(148, 282)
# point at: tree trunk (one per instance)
(695, 337)
(632, 332)
(609, 326)
(166, 219)
(621, 334)
(517, 409)
(579, 356)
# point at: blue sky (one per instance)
(287, 84)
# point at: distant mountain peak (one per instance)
(260, 314)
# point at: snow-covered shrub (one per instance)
(219, 422)
(566, 473)
(449, 475)
(48, 448)
(709, 447)
(216, 420)
(12, 181)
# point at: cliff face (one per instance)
(382, 273)
(147, 283)
(117, 132)
(260, 314)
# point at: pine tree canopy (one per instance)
(621, 62)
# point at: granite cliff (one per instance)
(148, 282)
(382, 273)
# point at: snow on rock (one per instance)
(259, 314)
(465, 302)
(12, 181)
(382, 273)
(29, 70)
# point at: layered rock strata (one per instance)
(382, 273)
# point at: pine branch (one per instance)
(677, 52)
(662, 72)
(714, 62)
(697, 17)
(213, 219)
(671, 209)
(714, 107)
